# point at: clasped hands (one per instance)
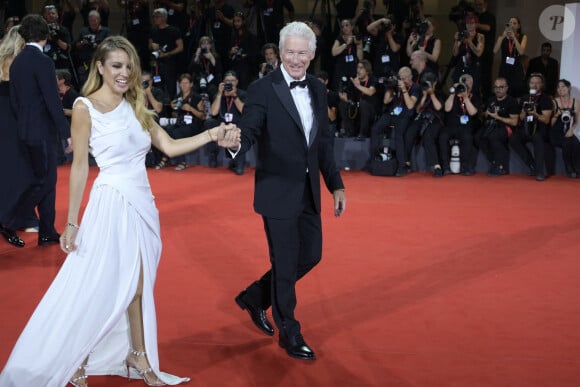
(228, 135)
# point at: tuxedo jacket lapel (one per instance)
(315, 102)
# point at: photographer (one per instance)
(347, 51)
(332, 100)
(512, 44)
(487, 26)
(86, 45)
(427, 123)
(58, 44)
(400, 98)
(155, 98)
(243, 51)
(461, 109)
(138, 24)
(388, 43)
(359, 105)
(536, 111)
(423, 38)
(501, 119)
(271, 61)
(206, 67)
(364, 18)
(227, 107)
(564, 125)
(467, 49)
(189, 114)
(165, 44)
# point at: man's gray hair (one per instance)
(298, 29)
(161, 11)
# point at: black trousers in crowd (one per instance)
(429, 132)
(463, 133)
(570, 151)
(365, 116)
(495, 145)
(537, 137)
(399, 125)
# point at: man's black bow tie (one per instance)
(294, 84)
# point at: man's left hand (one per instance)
(339, 202)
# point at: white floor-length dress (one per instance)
(84, 311)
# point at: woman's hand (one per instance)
(68, 237)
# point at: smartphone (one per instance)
(508, 26)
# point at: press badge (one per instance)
(136, 22)
(228, 117)
(510, 60)
(385, 59)
(349, 58)
(530, 118)
(188, 119)
(464, 119)
(397, 110)
(47, 47)
(156, 78)
(171, 12)
(268, 11)
(210, 78)
(217, 25)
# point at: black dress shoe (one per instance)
(48, 240)
(257, 314)
(11, 236)
(296, 347)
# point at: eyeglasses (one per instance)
(500, 87)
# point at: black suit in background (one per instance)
(287, 188)
(40, 117)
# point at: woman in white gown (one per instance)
(98, 316)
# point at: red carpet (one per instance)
(460, 281)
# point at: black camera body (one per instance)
(145, 84)
(53, 30)
(427, 81)
(422, 28)
(228, 86)
(458, 89)
(91, 39)
(463, 35)
(529, 106)
(204, 50)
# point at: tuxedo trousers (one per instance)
(295, 246)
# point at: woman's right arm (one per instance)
(80, 132)
(337, 48)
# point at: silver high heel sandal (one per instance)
(147, 374)
(81, 380)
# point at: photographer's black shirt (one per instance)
(505, 107)
(399, 108)
(85, 53)
(459, 110)
(541, 102)
(228, 106)
(52, 50)
(429, 108)
(386, 62)
(166, 39)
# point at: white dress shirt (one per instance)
(301, 97)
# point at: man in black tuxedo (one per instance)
(285, 117)
(40, 117)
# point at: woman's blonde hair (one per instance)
(11, 46)
(135, 94)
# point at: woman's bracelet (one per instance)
(72, 225)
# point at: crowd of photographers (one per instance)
(383, 77)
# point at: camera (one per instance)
(458, 89)
(145, 84)
(529, 106)
(238, 54)
(493, 108)
(228, 86)
(461, 36)
(427, 81)
(344, 85)
(422, 28)
(367, 44)
(388, 25)
(178, 103)
(91, 39)
(155, 54)
(566, 116)
(53, 29)
(204, 50)
(508, 26)
(202, 83)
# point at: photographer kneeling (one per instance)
(501, 119)
(360, 104)
(461, 109)
(536, 111)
